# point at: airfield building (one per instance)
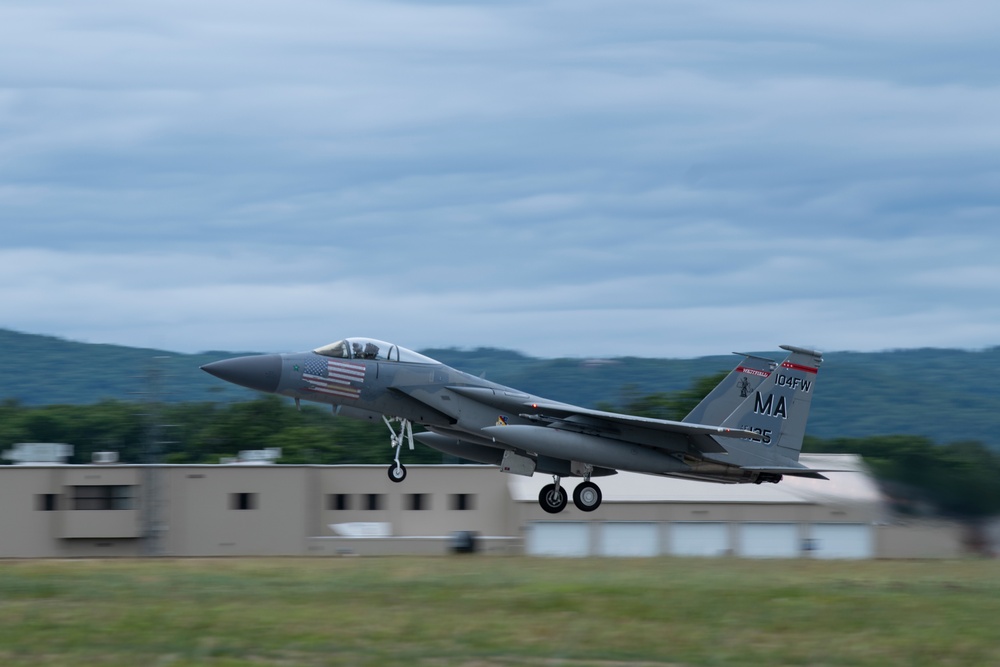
(113, 510)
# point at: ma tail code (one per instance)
(769, 407)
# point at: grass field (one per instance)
(488, 611)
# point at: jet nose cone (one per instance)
(261, 372)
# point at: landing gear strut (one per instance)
(552, 497)
(397, 471)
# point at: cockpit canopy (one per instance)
(369, 348)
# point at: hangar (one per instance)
(652, 516)
(122, 510)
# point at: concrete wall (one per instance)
(241, 510)
(288, 510)
(203, 516)
(37, 519)
(488, 507)
(919, 540)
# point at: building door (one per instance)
(558, 538)
(841, 540)
(630, 539)
(700, 538)
(769, 540)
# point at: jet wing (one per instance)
(553, 411)
(609, 424)
(797, 469)
(569, 413)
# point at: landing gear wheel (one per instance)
(587, 496)
(552, 498)
(397, 472)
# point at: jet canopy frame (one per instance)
(372, 348)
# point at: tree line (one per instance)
(957, 479)
(861, 394)
(202, 432)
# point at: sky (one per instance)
(562, 178)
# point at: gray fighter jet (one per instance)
(749, 429)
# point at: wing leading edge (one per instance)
(569, 414)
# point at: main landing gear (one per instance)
(397, 471)
(586, 496)
(552, 497)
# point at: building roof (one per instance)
(854, 487)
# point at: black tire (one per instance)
(551, 501)
(587, 496)
(397, 473)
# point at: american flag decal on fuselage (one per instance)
(335, 377)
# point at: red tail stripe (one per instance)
(798, 367)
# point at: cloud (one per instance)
(555, 177)
(852, 295)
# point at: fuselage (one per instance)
(487, 422)
(366, 379)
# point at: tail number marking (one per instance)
(764, 433)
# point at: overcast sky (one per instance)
(592, 179)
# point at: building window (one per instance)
(47, 502)
(242, 501)
(418, 501)
(339, 501)
(373, 501)
(99, 497)
(463, 501)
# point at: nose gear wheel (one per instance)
(397, 471)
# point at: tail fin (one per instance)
(734, 388)
(778, 408)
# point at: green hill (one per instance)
(946, 395)
(44, 370)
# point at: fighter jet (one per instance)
(749, 429)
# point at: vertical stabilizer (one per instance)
(732, 391)
(777, 410)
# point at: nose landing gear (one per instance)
(397, 471)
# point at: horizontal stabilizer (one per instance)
(792, 471)
(808, 475)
